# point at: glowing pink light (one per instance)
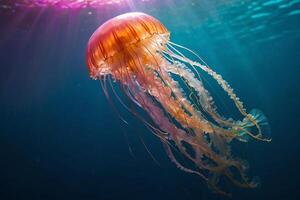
(70, 3)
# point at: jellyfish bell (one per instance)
(119, 42)
(135, 50)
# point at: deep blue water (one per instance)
(60, 139)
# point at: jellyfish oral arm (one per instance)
(134, 49)
(226, 87)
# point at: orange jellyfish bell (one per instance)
(118, 39)
(134, 50)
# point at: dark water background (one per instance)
(59, 138)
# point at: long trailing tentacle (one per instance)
(164, 124)
(224, 85)
(193, 82)
(177, 120)
(218, 162)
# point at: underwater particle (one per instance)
(260, 15)
(257, 28)
(272, 2)
(289, 4)
(294, 12)
(134, 50)
(257, 8)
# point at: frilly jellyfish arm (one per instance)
(134, 49)
(162, 99)
(203, 95)
(176, 54)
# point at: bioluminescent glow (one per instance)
(70, 3)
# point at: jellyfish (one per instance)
(134, 50)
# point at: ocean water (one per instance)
(60, 138)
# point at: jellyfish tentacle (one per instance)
(147, 80)
(216, 76)
(163, 122)
(144, 83)
(156, 131)
(221, 164)
(226, 88)
(139, 99)
(206, 100)
(147, 124)
(197, 121)
(160, 92)
(236, 100)
(134, 50)
(157, 88)
(214, 171)
(204, 97)
(179, 165)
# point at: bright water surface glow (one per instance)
(71, 3)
